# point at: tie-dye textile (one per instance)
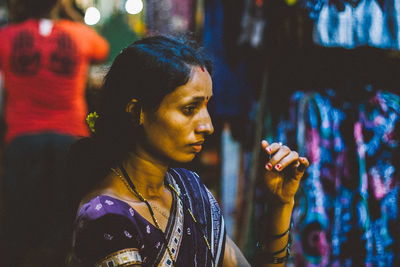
(347, 211)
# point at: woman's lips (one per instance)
(197, 148)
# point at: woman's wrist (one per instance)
(274, 245)
(274, 204)
(279, 216)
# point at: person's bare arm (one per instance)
(283, 171)
(279, 223)
(233, 256)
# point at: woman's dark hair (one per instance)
(147, 70)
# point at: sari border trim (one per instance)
(190, 182)
(217, 226)
(121, 258)
(176, 236)
(171, 222)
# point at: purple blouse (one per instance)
(105, 226)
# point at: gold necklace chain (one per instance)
(166, 216)
(137, 193)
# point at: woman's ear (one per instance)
(133, 107)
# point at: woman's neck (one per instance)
(146, 174)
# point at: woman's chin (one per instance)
(185, 159)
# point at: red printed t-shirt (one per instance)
(45, 73)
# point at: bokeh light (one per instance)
(92, 16)
(134, 6)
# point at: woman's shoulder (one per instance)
(101, 206)
(104, 226)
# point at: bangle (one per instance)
(269, 257)
(262, 249)
(273, 237)
(277, 260)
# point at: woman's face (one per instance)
(177, 130)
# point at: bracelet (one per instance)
(272, 237)
(277, 260)
(269, 257)
(261, 248)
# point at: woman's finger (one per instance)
(264, 144)
(291, 158)
(273, 148)
(277, 156)
(304, 163)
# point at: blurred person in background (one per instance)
(44, 59)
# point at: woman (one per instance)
(142, 212)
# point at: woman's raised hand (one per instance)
(283, 170)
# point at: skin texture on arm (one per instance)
(233, 256)
(279, 224)
(282, 173)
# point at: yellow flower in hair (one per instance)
(91, 120)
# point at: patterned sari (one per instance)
(109, 232)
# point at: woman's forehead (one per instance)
(199, 85)
(198, 88)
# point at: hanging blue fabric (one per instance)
(231, 90)
(341, 220)
(354, 23)
(313, 7)
(379, 184)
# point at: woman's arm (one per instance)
(233, 256)
(283, 171)
(280, 222)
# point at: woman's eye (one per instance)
(189, 110)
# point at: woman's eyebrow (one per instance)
(201, 98)
(198, 98)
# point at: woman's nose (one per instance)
(205, 125)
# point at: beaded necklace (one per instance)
(131, 187)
